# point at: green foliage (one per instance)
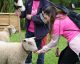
(7, 6)
(16, 37)
(67, 3)
(22, 22)
(55, 1)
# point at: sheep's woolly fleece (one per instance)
(14, 53)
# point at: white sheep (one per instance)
(16, 53)
(5, 34)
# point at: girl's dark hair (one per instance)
(50, 11)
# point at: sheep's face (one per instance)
(30, 44)
(11, 29)
(19, 5)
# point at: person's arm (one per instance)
(51, 44)
(38, 19)
(56, 31)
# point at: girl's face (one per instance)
(46, 17)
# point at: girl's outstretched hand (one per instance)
(43, 50)
(40, 51)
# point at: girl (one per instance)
(64, 26)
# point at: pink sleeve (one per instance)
(57, 28)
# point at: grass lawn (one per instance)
(50, 57)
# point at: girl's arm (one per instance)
(51, 44)
(38, 19)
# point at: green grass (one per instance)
(16, 37)
(50, 57)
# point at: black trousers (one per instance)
(68, 56)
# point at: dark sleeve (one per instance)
(38, 19)
(23, 13)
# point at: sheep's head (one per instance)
(19, 5)
(29, 44)
(10, 29)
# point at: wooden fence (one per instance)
(7, 19)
